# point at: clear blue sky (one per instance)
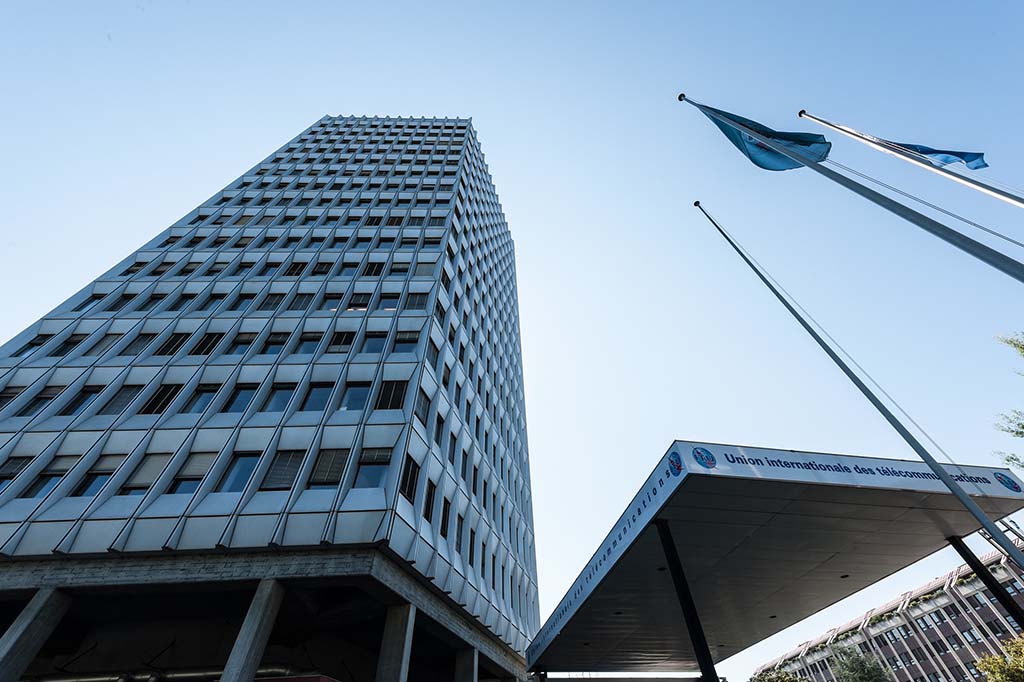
(638, 325)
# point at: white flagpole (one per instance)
(996, 259)
(884, 146)
(982, 518)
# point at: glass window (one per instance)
(374, 342)
(316, 397)
(283, 470)
(329, 466)
(120, 400)
(91, 484)
(355, 396)
(43, 484)
(241, 343)
(341, 342)
(308, 342)
(238, 472)
(240, 398)
(277, 399)
(81, 401)
(200, 399)
(41, 400)
(274, 343)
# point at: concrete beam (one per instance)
(396, 645)
(29, 631)
(252, 638)
(466, 668)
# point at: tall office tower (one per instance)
(934, 633)
(285, 436)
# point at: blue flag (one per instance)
(810, 144)
(943, 157)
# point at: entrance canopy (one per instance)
(766, 538)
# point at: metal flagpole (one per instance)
(986, 254)
(888, 148)
(1005, 543)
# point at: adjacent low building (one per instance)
(933, 633)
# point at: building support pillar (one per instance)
(396, 645)
(466, 668)
(690, 615)
(994, 586)
(247, 652)
(30, 630)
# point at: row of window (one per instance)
(207, 343)
(287, 239)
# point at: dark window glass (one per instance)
(308, 342)
(274, 343)
(91, 484)
(120, 400)
(283, 470)
(277, 399)
(173, 344)
(374, 342)
(392, 395)
(81, 401)
(240, 398)
(329, 466)
(206, 344)
(200, 399)
(239, 472)
(316, 397)
(410, 476)
(138, 344)
(41, 400)
(104, 343)
(241, 343)
(406, 342)
(341, 342)
(67, 345)
(161, 399)
(355, 396)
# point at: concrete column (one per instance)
(256, 628)
(466, 665)
(29, 631)
(396, 646)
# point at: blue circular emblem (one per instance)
(704, 458)
(1007, 482)
(675, 463)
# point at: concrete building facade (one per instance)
(932, 634)
(285, 436)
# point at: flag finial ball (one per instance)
(800, 114)
(697, 204)
(682, 96)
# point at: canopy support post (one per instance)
(690, 615)
(994, 586)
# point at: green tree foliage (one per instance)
(1009, 668)
(1013, 422)
(775, 676)
(852, 666)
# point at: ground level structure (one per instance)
(726, 545)
(935, 632)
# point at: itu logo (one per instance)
(704, 458)
(675, 463)
(1007, 482)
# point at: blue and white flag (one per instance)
(942, 157)
(809, 144)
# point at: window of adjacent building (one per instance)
(81, 401)
(373, 269)
(277, 399)
(67, 345)
(161, 399)
(48, 479)
(239, 472)
(373, 468)
(191, 473)
(207, 342)
(138, 344)
(373, 342)
(316, 396)
(410, 476)
(424, 269)
(341, 342)
(240, 398)
(472, 545)
(328, 468)
(145, 474)
(43, 398)
(241, 343)
(172, 344)
(283, 470)
(388, 302)
(349, 269)
(98, 476)
(200, 398)
(11, 467)
(151, 302)
(275, 343)
(268, 269)
(294, 269)
(355, 395)
(308, 342)
(392, 395)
